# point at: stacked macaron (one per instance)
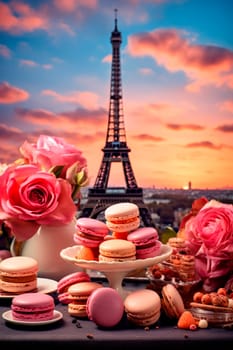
(18, 274)
(181, 260)
(117, 250)
(146, 240)
(143, 307)
(65, 282)
(78, 294)
(89, 234)
(32, 307)
(122, 218)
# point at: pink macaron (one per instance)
(105, 307)
(146, 240)
(32, 307)
(90, 232)
(65, 282)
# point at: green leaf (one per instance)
(167, 233)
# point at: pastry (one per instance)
(18, 274)
(172, 302)
(143, 307)
(78, 294)
(122, 217)
(105, 307)
(117, 250)
(87, 253)
(65, 282)
(32, 307)
(90, 232)
(146, 240)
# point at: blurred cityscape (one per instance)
(168, 206)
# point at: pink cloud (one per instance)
(225, 128)
(146, 71)
(47, 66)
(227, 106)
(28, 63)
(147, 137)
(204, 144)
(11, 94)
(107, 59)
(70, 6)
(18, 17)
(5, 51)
(203, 65)
(85, 99)
(70, 120)
(174, 126)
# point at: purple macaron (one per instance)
(105, 307)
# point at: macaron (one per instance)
(122, 217)
(78, 294)
(143, 307)
(178, 244)
(105, 307)
(90, 232)
(172, 302)
(65, 282)
(4, 254)
(117, 250)
(32, 307)
(146, 240)
(87, 253)
(18, 274)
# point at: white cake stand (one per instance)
(114, 271)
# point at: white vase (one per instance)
(45, 247)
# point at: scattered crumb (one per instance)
(90, 336)
(186, 336)
(78, 325)
(147, 329)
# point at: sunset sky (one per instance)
(177, 82)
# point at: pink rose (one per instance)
(30, 197)
(51, 152)
(210, 237)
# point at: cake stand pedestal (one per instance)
(114, 271)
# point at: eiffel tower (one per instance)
(115, 150)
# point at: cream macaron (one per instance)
(18, 274)
(122, 217)
(143, 307)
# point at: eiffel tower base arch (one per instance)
(98, 202)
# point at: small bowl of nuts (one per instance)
(214, 307)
